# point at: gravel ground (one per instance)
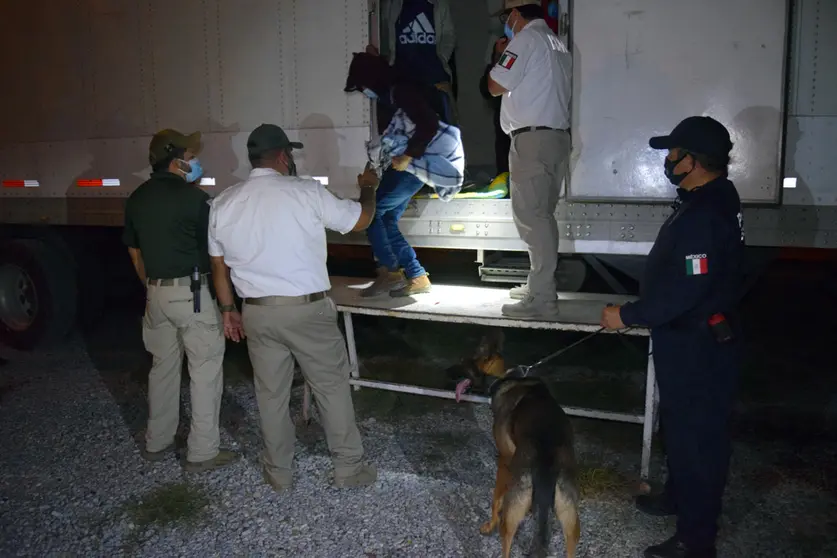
(72, 472)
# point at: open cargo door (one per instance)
(641, 66)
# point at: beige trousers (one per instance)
(170, 328)
(538, 162)
(307, 332)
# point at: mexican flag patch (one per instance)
(697, 264)
(507, 60)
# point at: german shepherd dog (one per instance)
(536, 468)
(485, 365)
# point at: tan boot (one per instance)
(386, 281)
(279, 485)
(225, 458)
(414, 286)
(366, 475)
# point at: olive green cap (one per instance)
(166, 141)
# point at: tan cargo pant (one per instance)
(169, 327)
(307, 332)
(538, 162)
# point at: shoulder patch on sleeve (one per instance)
(697, 264)
(507, 60)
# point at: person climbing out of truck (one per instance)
(166, 223)
(689, 299)
(416, 148)
(421, 40)
(533, 75)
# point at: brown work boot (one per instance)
(414, 286)
(223, 459)
(385, 282)
(365, 476)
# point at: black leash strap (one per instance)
(556, 354)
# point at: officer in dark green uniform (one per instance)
(166, 222)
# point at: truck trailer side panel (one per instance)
(93, 81)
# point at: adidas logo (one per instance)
(420, 31)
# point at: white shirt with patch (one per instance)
(270, 230)
(536, 71)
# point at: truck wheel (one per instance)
(570, 274)
(37, 294)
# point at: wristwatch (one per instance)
(227, 307)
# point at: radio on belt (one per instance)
(720, 328)
(196, 288)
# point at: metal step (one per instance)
(514, 268)
(505, 269)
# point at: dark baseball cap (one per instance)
(166, 141)
(509, 5)
(268, 137)
(698, 134)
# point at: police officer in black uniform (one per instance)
(689, 299)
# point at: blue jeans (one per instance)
(388, 244)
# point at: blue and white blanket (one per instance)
(442, 167)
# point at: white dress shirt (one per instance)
(536, 71)
(270, 230)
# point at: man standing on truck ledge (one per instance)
(166, 222)
(533, 74)
(267, 238)
(689, 300)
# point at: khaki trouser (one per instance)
(307, 332)
(171, 326)
(538, 162)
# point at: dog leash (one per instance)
(526, 369)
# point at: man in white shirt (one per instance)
(267, 237)
(534, 76)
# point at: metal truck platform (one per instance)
(481, 306)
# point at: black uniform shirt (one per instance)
(694, 269)
(167, 218)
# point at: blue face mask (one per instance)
(369, 93)
(508, 31)
(196, 172)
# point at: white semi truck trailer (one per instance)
(87, 83)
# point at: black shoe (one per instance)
(675, 548)
(659, 505)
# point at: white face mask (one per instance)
(369, 93)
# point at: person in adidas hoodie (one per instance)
(399, 271)
(421, 41)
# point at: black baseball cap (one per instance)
(698, 134)
(268, 137)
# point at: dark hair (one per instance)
(712, 163)
(530, 11)
(173, 154)
(258, 160)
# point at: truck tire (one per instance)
(37, 294)
(570, 274)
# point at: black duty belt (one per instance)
(285, 300)
(532, 129)
(177, 281)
